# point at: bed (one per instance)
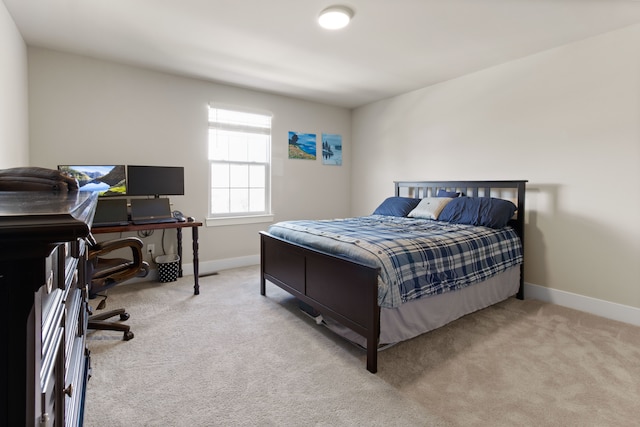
(350, 280)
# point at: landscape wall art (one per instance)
(302, 145)
(331, 149)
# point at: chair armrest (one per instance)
(104, 248)
(107, 271)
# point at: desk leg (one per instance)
(196, 285)
(179, 230)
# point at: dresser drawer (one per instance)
(75, 382)
(73, 308)
(52, 292)
(73, 252)
(50, 380)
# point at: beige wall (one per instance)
(84, 110)
(14, 137)
(568, 120)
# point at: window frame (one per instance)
(240, 217)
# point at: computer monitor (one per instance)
(155, 180)
(107, 180)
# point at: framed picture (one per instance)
(302, 145)
(331, 149)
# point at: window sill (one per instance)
(239, 220)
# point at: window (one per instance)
(239, 162)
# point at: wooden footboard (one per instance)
(343, 289)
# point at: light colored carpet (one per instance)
(230, 357)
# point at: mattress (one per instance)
(418, 258)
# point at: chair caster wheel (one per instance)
(127, 336)
(124, 316)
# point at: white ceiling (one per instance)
(391, 46)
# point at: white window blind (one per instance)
(239, 159)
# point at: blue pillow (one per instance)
(445, 193)
(396, 206)
(485, 211)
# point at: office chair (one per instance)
(104, 273)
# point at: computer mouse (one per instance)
(191, 219)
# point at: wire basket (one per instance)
(168, 266)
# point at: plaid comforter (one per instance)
(417, 258)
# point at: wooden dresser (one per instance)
(44, 361)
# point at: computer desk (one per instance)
(178, 226)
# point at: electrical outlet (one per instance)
(151, 249)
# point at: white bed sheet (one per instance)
(416, 317)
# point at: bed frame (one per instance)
(347, 290)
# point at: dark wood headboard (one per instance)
(509, 190)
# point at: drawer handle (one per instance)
(50, 282)
(69, 390)
(44, 420)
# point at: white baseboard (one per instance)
(610, 310)
(204, 268)
(210, 267)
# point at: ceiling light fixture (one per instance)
(335, 17)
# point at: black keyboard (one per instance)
(110, 224)
(154, 221)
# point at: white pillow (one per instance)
(429, 207)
